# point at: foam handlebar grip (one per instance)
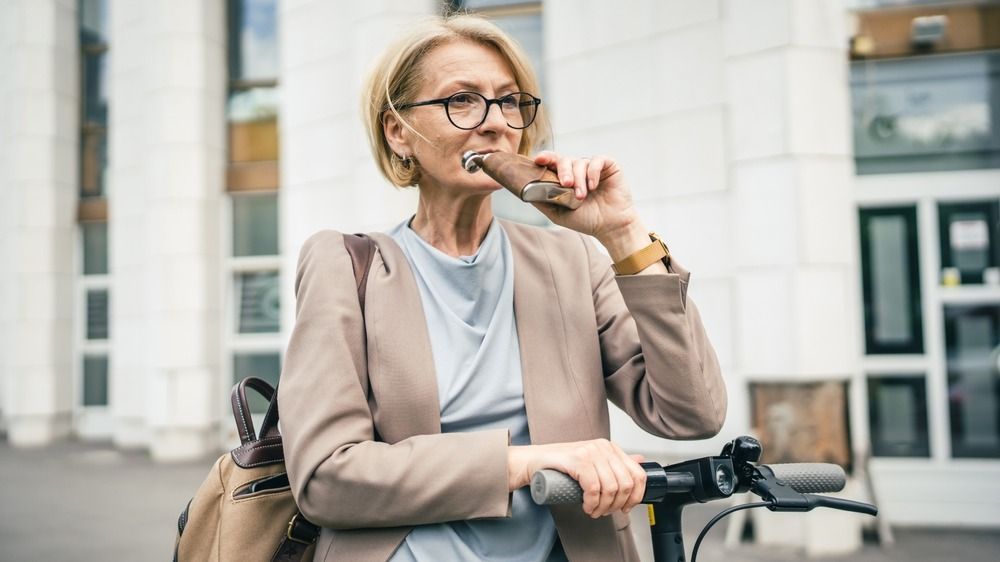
(551, 487)
(810, 477)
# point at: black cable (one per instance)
(720, 515)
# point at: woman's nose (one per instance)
(495, 120)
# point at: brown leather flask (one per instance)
(522, 177)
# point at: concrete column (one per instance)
(328, 177)
(168, 152)
(38, 147)
(786, 70)
(185, 176)
(128, 127)
(794, 220)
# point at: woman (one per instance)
(488, 350)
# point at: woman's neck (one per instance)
(453, 225)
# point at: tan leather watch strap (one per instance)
(641, 259)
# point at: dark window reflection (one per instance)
(95, 88)
(255, 225)
(926, 113)
(94, 97)
(891, 280)
(93, 17)
(95, 248)
(95, 380)
(97, 314)
(253, 40)
(972, 338)
(259, 302)
(897, 415)
(969, 242)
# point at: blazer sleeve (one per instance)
(659, 365)
(340, 476)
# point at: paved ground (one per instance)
(89, 502)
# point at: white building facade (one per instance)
(161, 163)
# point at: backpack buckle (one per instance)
(301, 531)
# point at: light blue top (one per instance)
(469, 305)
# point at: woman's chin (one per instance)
(485, 187)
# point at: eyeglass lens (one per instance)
(468, 110)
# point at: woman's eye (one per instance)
(511, 102)
(462, 99)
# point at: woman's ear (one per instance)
(396, 134)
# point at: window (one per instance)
(890, 272)
(252, 108)
(259, 302)
(95, 380)
(93, 342)
(897, 416)
(253, 332)
(255, 225)
(92, 293)
(95, 248)
(970, 253)
(926, 113)
(972, 342)
(97, 314)
(93, 23)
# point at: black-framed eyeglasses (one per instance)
(468, 110)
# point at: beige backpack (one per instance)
(244, 510)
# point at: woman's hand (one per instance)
(607, 203)
(611, 479)
(606, 213)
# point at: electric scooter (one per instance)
(783, 487)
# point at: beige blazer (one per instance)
(360, 417)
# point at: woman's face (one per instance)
(457, 66)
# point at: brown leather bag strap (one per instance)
(241, 407)
(362, 250)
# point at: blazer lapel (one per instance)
(400, 360)
(551, 397)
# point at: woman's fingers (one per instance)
(564, 169)
(638, 479)
(594, 168)
(582, 174)
(626, 483)
(580, 179)
(609, 488)
(617, 478)
(590, 483)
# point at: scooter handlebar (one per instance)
(552, 487)
(809, 477)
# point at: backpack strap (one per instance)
(302, 533)
(241, 407)
(361, 248)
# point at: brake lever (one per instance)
(782, 497)
(841, 504)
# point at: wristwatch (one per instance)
(641, 259)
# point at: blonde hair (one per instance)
(396, 79)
